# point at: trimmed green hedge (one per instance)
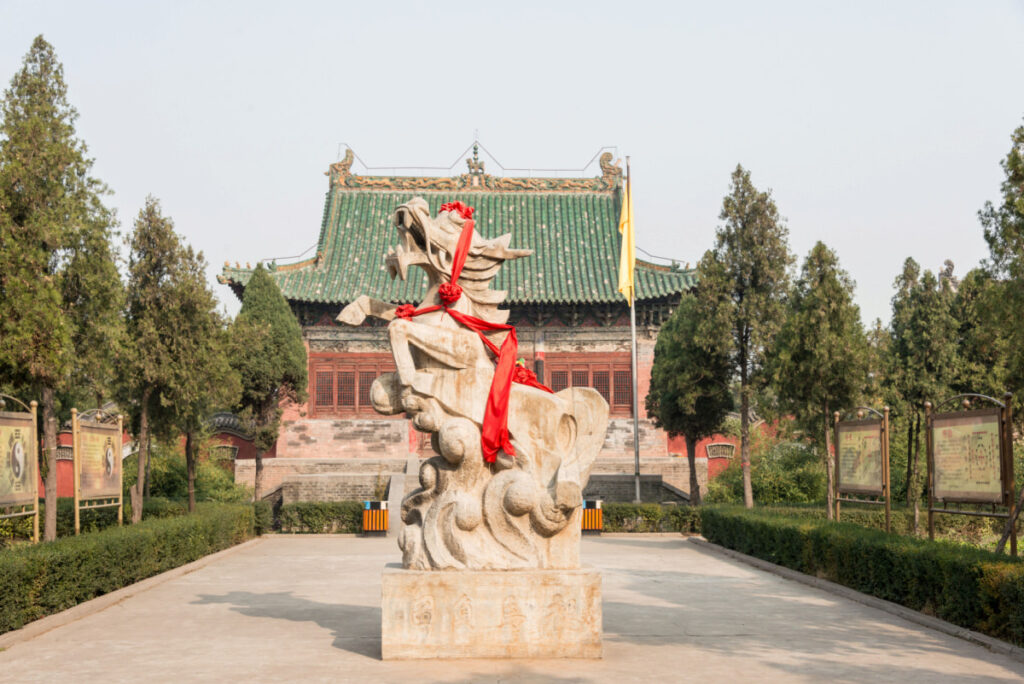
(264, 516)
(964, 585)
(91, 520)
(47, 578)
(958, 528)
(316, 517)
(648, 517)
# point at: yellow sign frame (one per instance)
(81, 425)
(27, 421)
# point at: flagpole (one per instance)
(632, 333)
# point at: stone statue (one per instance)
(478, 507)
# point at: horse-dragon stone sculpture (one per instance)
(518, 511)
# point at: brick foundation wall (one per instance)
(344, 438)
(674, 471)
(277, 470)
(623, 488)
(333, 487)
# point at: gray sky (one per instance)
(879, 126)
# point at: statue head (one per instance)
(430, 242)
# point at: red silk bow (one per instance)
(494, 435)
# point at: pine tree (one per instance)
(748, 272)
(58, 277)
(270, 358)
(819, 361)
(690, 393)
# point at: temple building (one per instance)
(571, 321)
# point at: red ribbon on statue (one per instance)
(494, 435)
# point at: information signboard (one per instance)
(859, 452)
(967, 455)
(19, 482)
(99, 461)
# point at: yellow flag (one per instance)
(627, 256)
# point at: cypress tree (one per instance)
(819, 360)
(748, 272)
(689, 393)
(270, 358)
(59, 285)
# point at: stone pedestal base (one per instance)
(491, 614)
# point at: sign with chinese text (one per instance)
(967, 456)
(859, 450)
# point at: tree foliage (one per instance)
(270, 358)
(748, 273)
(175, 370)
(59, 284)
(819, 360)
(689, 393)
(1003, 226)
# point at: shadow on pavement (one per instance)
(355, 628)
(799, 631)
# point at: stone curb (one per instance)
(628, 535)
(977, 638)
(314, 535)
(92, 606)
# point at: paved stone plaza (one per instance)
(307, 608)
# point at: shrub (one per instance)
(47, 578)
(631, 517)
(168, 478)
(780, 471)
(966, 586)
(90, 520)
(264, 516)
(315, 517)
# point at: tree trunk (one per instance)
(190, 467)
(49, 404)
(748, 490)
(829, 469)
(257, 485)
(913, 481)
(149, 460)
(909, 454)
(142, 453)
(696, 497)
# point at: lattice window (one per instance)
(599, 381)
(623, 390)
(559, 380)
(346, 389)
(339, 384)
(324, 384)
(580, 378)
(721, 450)
(366, 379)
(227, 452)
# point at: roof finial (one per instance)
(476, 167)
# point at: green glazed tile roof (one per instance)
(574, 236)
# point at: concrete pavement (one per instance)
(307, 608)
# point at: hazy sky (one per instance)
(879, 126)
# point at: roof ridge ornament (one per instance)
(476, 178)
